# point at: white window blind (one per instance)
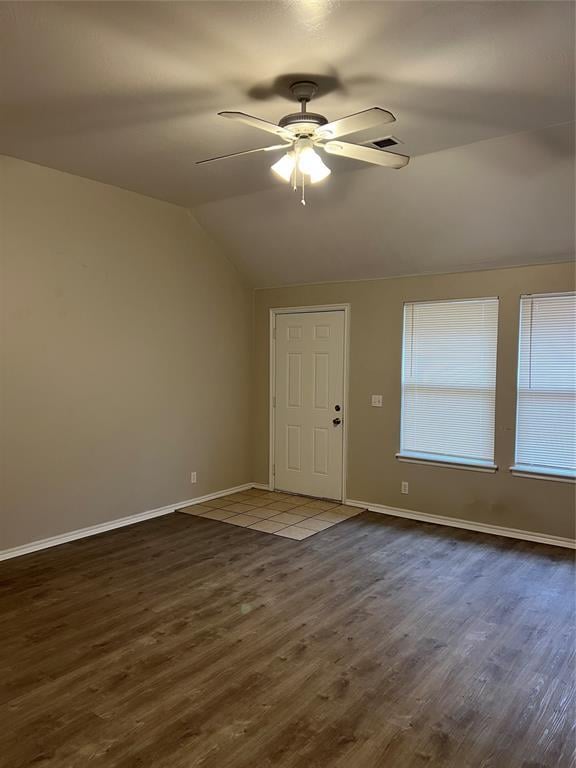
(546, 411)
(449, 381)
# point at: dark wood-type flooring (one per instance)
(378, 643)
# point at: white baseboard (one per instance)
(63, 538)
(92, 530)
(454, 522)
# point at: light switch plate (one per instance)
(377, 401)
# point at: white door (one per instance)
(309, 384)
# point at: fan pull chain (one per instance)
(303, 201)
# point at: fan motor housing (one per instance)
(303, 122)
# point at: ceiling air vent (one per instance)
(388, 141)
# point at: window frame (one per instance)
(439, 459)
(534, 471)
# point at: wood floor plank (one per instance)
(183, 641)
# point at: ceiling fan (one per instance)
(303, 133)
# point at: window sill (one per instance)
(422, 458)
(537, 473)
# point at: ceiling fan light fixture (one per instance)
(310, 163)
(284, 168)
(306, 132)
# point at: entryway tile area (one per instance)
(281, 514)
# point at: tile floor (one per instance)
(282, 514)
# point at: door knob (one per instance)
(336, 422)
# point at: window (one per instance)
(449, 382)
(546, 409)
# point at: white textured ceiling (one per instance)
(502, 202)
(127, 93)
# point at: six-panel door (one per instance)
(309, 384)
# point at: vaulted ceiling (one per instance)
(127, 93)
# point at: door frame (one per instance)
(271, 416)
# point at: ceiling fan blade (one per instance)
(366, 154)
(256, 122)
(359, 121)
(246, 152)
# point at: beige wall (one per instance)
(374, 475)
(126, 342)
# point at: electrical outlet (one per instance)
(404, 486)
(376, 401)
(192, 477)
